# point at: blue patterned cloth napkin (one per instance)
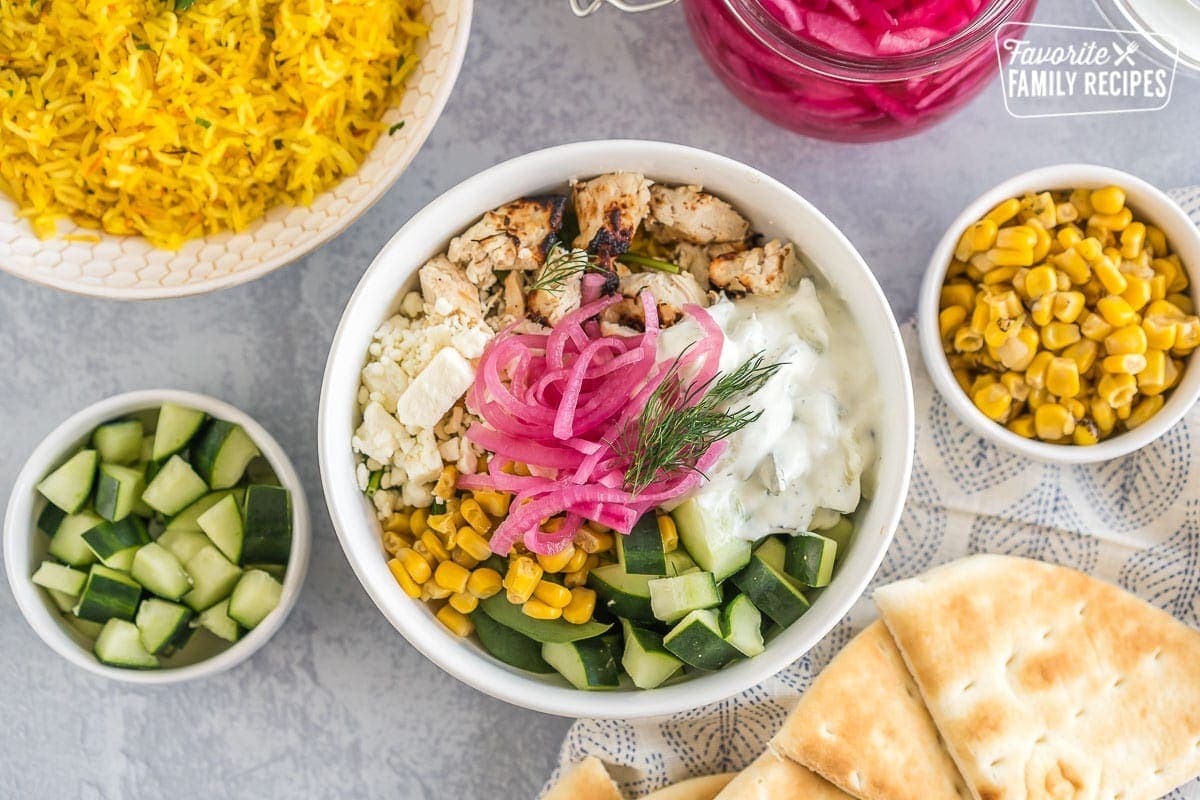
(1134, 522)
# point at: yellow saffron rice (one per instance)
(134, 118)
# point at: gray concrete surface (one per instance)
(338, 705)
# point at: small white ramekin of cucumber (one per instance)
(157, 536)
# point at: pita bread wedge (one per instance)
(705, 788)
(862, 726)
(587, 780)
(773, 777)
(1047, 683)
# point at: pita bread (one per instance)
(705, 788)
(1046, 683)
(862, 726)
(773, 777)
(587, 780)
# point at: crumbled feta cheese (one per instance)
(385, 503)
(435, 390)
(384, 382)
(380, 434)
(412, 305)
(362, 475)
(423, 462)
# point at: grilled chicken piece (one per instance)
(516, 235)
(514, 296)
(686, 214)
(549, 306)
(695, 258)
(672, 293)
(447, 290)
(610, 209)
(762, 270)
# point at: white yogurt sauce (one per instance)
(803, 459)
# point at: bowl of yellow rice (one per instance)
(159, 148)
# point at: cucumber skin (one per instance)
(266, 525)
(505, 644)
(600, 670)
(545, 631)
(640, 551)
(703, 649)
(125, 597)
(208, 445)
(804, 559)
(621, 603)
(758, 581)
(50, 518)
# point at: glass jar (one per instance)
(817, 91)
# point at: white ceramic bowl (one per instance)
(1151, 205)
(774, 209)
(25, 546)
(130, 268)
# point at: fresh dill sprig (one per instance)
(680, 422)
(560, 265)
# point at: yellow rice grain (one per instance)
(130, 117)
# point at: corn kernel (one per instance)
(1003, 212)
(416, 564)
(1108, 200)
(418, 522)
(1187, 336)
(1044, 241)
(1016, 385)
(474, 515)
(951, 319)
(1158, 287)
(455, 621)
(552, 594)
(442, 523)
(522, 578)
(1143, 411)
(1137, 293)
(579, 557)
(1103, 416)
(1041, 312)
(1116, 389)
(575, 578)
(451, 576)
(1182, 301)
(434, 546)
(668, 533)
(1110, 275)
(1040, 280)
(557, 561)
(1057, 335)
(994, 401)
(1091, 249)
(1116, 311)
(1023, 426)
(1070, 262)
(392, 542)
(1156, 240)
(494, 503)
(399, 523)
(402, 577)
(978, 237)
(1053, 421)
(1068, 306)
(1124, 411)
(982, 381)
(957, 294)
(1111, 222)
(463, 603)
(1037, 398)
(1174, 369)
(1066, 212)
(1018, 351)
(1133, 238)
(1016, 237)
(1129, 339)
(1086, 433)
(1035, 374)
(1001, 258)
(581, 607)
(540, 610)
(431, 591)
(1075, 406)
(484, 582)
(1153, 379)
(1094, 327)
(1083, 353)
(463, 558)
(469, 540)
(593, 542)
(1127, 363)
(444, 488)
(1000, 331)
(1062, 377)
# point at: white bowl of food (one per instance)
(1104, 330)
(677, 605)
(157, 536)
(225, 180)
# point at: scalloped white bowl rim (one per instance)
(20, 527)
(775, 209)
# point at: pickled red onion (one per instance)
(560, 403)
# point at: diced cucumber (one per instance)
(115, 543)
(147, 452)
(216, 620)
(65, 602)
(259, 471)
(222, 524)
(158, 570)
(67, 544)
(50, 518)
(741, 625)
(221, 453)
(69, 486)
(213, 578)
(254, 597)
(184, 544)
(624, 595)
(85, 626)
(772, 592)
(674, 598)
(540, 630)
(118, 442)
(276, 571)
(679, 562)
(162, 624)
(709, 528)
(174, 487)
(59, 578)
(810, 559)
(841, 533)
(175, 428)
(108, 594)
(587, 664)
(186, 520)
(647, 662)
(509, 646)
(772, 551)
(698, 642)
(118, 489)
(641, 551)
(120, 645)
(267, 522)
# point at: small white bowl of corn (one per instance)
(1057, 315)
(157, 536)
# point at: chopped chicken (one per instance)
(548, 306)
(762, 270)
(516, 235)
(514, 296)
(447, 290)
(610, 209)
(686, 214)
(695, 258)
(672, 292)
